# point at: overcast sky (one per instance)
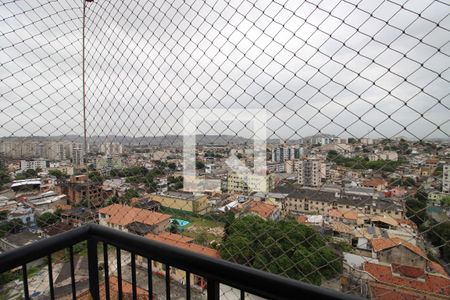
(314, 66)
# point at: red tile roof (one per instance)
(127, 291)
(302, 219)
(124, 215)
(176, 237)
(374, 182)
(349, 215)
(380, 244)
(429, 283)
(187, 246)
(262, 209)
(408, 271)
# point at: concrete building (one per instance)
(79, 189)
(33, 165)
(316, 201)
(286, 152)
(446, 179)
(247, 183)
(131, 219)
(110, 149)
(186, 201)
(263, 210)
(105, 164)
(25, 214)
(309, 172)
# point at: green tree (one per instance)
(3, 215)
(4, 177)
(47, 219)
(439, 236)
(57, 173)
(95, 177)
(11, 226)
(416, 210)
(445, 202)
(131, 193)
(199, 165)
(285, 247)
(30, 173)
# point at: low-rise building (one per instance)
(24, 214)
(17, 240)
(390, 281)
(378, 184)
(79, 189)
(316, 201)
(185, 201)
(263, 210)
(132, 219)
(78, 216)
(186, 244)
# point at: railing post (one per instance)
(93, 269)
(212, 288)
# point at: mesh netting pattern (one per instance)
(93, 101)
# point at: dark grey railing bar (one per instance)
(133, 275)
(25, 254)
(119, 273)
(253, 281)
(72, 274)
(26, 292)
(213, 289)
(167, 280)
(106, 270)
(242, 295)
(149, 278)
(93, 269)
(50, 277)
(188, 285)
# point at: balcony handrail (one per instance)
(251, 280)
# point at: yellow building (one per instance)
(191, 202)
(243, 183)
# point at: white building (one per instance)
(32, 165)
(111, 148)
(388, 155)
(446, 179)
(243, 183)
(309, 172)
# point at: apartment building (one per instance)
(111, 148)
(309, 172)
(314, 201)
(446, 179)
(247, 183)
(32, 165)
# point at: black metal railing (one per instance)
(215, 271)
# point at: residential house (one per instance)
(185, 201)
(186, 244)
(405, 282)
(264, 210)
(131, 219)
